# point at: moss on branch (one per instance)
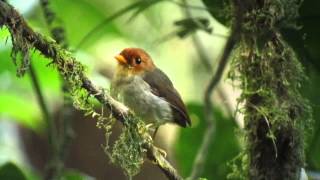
(135, 143)
(270, 75)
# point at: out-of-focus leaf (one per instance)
(143, 5)
(48, 76)
(219, 10)
(97, 27)
(137, 6)
(190, 25)
(10, 171)
(223, 149)
(17, 96)
(4, 34)
(305, 42)
(311, 90)
(21, 110)
(75, 175)
(79, 17)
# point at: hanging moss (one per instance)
(20, 52)
(127, 151)
(269, 75)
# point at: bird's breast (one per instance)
(135, 93)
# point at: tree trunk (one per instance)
(270, 76)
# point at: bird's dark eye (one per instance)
(138, 60)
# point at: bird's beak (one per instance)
(121, 59)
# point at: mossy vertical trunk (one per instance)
(270, 76)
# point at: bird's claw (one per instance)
(162, 152)
(159, 152)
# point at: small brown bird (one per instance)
(146, 90)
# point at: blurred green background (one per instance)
(151, 25)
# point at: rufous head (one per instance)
(135, 60)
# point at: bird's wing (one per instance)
(163, 87)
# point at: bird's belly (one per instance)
(138, 97)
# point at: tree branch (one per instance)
(50, 49)
(199, 162)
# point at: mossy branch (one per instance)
(74, 73)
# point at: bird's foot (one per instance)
(159, 153)
(152, 129)
(162, 152)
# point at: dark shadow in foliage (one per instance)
(220, 10)
(305, 42)
(10, 171)
(223, 149)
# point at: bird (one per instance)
(147, 90)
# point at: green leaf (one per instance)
(10, 171)
(223, 149)
(21, 110)
(305, 42)
(17, 96)
(4, 33)
(311, 91)
(190, 25)
(143, 5)
(70, 11)
(74, 175)
(220, 10)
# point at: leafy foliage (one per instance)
(190, 25)
(224, 147)
(74, 175)
(90, 15)
(128, 151)
(220, 10)
(10, 171)
(18, 103)
(17, 94)
(305, 42)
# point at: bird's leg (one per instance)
(155, 132)
(150, 126)
(153, 127)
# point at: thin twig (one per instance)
(127, 9)
(43, 106)
(199, 162)
(57, 32)
(205, 60)
(54, 165)
(117, 14)
(65, 120)
(50, 49)
(189, 6)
